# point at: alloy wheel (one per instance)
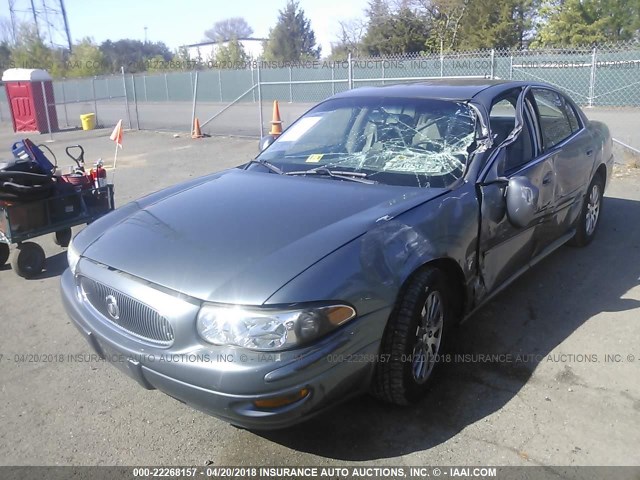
(428, 337)
(593, 210)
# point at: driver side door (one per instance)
(506, 249)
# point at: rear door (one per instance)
(569, 144)
(505, 250)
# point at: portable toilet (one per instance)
(28, 91)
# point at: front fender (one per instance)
(369, 271)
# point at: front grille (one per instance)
(131, 315)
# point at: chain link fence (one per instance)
(5, 112)
(595, 77)
(103, 96)
(239, 101)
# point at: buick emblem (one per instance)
(112, 307)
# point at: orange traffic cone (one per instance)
(196, 133)
(276, 122)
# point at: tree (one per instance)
(86, 60)
(30, 51)
(158, 64)
(377, 11)
(401, 32)
(231, 54)
(229, 28)
(134, 55)
(350, 41)
(182, 60)
(495, 24)
(292, 39)
(587, 22)
(5, 56)
(444, 17)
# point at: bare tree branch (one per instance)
(225, 30)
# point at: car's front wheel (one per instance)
(414, 339)
(589, 219)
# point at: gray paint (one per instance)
(258, 238)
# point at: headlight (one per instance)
(73, 257)
(266, 329)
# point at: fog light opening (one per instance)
(277, 402)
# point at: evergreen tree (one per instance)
(587, 22)
(396, 33)
(292, 39)
(495, 24)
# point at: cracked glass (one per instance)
(397, 141)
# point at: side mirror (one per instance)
(266, 141)
(522, 201)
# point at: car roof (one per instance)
(483, 89)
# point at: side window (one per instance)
(502, 120)
(502, 117)
(554, 119)
(503, 108)
(571, 115)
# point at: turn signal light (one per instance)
(277, 402)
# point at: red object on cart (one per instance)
(27, 102)
(77, 180)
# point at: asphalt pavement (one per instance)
(546, 374)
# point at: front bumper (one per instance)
(226, 381)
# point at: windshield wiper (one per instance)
(267, 165)
(359, 177)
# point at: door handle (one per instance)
(547, 178)
(589, 152)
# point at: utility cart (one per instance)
(35, 199)
(22, 221)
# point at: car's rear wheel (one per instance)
(589, 219)
(414, 339)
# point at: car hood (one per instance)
(241, 235)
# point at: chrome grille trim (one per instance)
(135, 318)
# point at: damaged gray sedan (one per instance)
(340, 259)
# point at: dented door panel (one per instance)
(504, 249)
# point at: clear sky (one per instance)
(180, 22)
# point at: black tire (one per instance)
(587, 226)
(28, 259)
(4, 253)
(62, 237)
(398, 378)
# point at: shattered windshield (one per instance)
(397, 141)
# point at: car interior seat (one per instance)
(521, 150)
